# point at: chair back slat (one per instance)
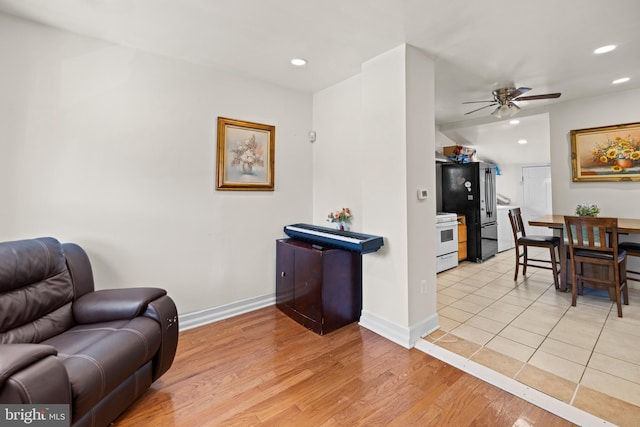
(517, 225)
(592, 233)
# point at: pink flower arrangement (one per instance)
(343, 215)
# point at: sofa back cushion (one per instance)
(36, 291)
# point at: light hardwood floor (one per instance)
(262, 368)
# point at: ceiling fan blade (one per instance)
(476, 102)
(534, 97)
(481, 108)
(516, 93)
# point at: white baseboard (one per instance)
(401, 335)
(213, 314)
(544, 401)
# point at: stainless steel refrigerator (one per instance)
(470, 189)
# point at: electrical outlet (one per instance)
(423, 286)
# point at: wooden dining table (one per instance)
(556, 223)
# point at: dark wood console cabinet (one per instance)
(320, 288)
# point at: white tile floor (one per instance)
(531, 322)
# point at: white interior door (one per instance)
(536, 196)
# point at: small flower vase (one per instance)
(247, 168)
(341, 225)
(625, 163)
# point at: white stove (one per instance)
(446, 241)
(446, 217)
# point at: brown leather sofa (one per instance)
(62, 342)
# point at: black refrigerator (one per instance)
(470, 189)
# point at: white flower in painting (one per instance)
(248, 154)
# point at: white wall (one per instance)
(420, 92)
(385, 273)
(114, 149)
(338, 153)
(618, 199)
(375, 149)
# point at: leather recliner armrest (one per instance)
(164, 311)
(30, 373)
(16, 357)
(114, 304)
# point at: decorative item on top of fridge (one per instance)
(460, 154)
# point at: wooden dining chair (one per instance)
(596, 258)
(523, 241)
(632, 249)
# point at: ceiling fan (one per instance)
(504, 98)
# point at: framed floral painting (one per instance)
(610, 153)
(245, 155)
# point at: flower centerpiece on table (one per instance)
(587, 210)
(340, 218)
(247, 155)
(619, 152)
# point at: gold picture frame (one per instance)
(609, 153)
(245, 155)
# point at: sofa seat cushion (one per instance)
(100, 356)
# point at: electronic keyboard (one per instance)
(324, 236)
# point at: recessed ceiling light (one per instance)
(514, 122)
(622, 80)
(604, 49)
(522, 141)
(298, 62)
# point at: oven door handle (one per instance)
(446, 224)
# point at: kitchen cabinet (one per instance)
(462, 237)
(320, 288)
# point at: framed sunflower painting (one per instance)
(610, 153)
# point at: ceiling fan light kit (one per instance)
(504, 98)
(505, 110)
